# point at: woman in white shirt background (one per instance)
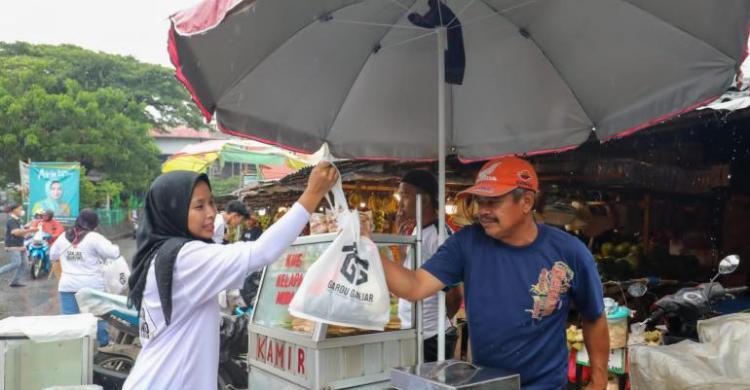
(82, 252)
(178, 272)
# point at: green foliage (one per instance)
(88, 193)
(224, 186)
(95, 195)
(65, 103)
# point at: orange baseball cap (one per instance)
(501, 176)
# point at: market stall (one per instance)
(371, 186)
(288, 352)
(666, 205)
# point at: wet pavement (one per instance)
(39, 297)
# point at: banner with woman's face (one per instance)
(54, 186)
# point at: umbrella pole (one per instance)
(441, 179)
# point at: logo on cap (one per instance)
(524, 175)
(486, 174)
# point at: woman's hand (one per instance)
(322, 178)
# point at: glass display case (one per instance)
(291, 353)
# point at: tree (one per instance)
(65, 103)
(96, 195)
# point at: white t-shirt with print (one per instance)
(185, 353)
(429, 304)
(81, 263)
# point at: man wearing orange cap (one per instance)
(519, 278)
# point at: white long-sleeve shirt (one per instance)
(81, 263)
(185, 354)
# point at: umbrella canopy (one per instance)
(528, 75)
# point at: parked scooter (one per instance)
(38, 249)
(233, 344)
(683, 309)
(113, 363)
(707, 350)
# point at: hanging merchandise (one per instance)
(354, 199)
(346, 284)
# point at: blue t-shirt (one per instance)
(517, 298)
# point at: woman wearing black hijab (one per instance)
(81, 252)
(178, 273)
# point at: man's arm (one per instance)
(408, 284)
(596, 338)
(21, 232)
(453, 299)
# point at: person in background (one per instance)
(424, 183)
(49, 225)
(252, 229)
(232, 216)
(14, 234)
(82, 253)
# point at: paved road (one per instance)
(39, 297)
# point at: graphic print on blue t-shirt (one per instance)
(551, 286)
(518, 298)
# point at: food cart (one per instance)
(291, 353)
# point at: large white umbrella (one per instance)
(368, 76)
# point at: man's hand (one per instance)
(596, 338)
(322, 178)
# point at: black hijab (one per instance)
(162, 234)
(87, 221)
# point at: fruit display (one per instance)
(619, 261)
(382, 204)
(652, 337)
(264, 221)
(626, 260)
(574, 336)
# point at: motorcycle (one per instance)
(233, 345)
(702, 349)
(38, 249)
(683, 309)
(113, 363)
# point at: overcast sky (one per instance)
(131, 27)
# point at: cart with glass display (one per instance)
(292, 353)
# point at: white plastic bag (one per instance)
(346, 284)
(719, 362)
(116, 273)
